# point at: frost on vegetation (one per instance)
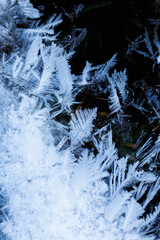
(71, 192)
(43, 69)
(57, 195)
(13, 12)
(77, 34)
(148, 153)
(115, 83)
(81, 125)
(152, 49)
(153, 97)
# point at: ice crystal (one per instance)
(71, 192)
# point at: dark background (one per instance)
(109, 25)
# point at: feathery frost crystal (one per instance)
(61, 190)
